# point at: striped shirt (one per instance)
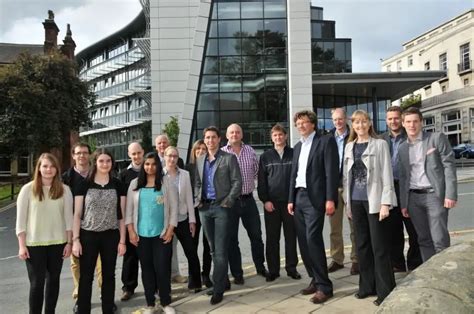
(248, 164)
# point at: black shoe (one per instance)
(211, 291)
(217, 298)
(294, 274)
(239, 280)
(378, 302)
(75, 308)
(114, 308)
(334, 267)
(262, 272)
(207, 281)
(359, 295)
(272, 277)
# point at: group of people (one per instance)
(403, 177)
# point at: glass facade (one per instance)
(244, 72)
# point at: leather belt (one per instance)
(206, 201)
(244, 196)
(301, 189)
(422, 191)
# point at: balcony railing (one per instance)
(465, 66)
(448, 97)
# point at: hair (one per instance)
(79, 144)
(142, 175)
(97, 153)
(278, 128)
(340, 109)
(171, 148)
(212, 129)
(394, 109)
(163, 136)
(194, 149)
(412, 110)
(306, 113)
(57, 190)
(356, 115)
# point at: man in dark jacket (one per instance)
(273, 185)
(130, 259)
(396, 135)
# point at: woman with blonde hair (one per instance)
(369, 195)
(44, 230)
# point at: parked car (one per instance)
(465, 150)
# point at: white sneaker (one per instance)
(149, 310)
(168, 310)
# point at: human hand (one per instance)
(448, 203)
(269, 206)
(23, 253)
(192, 228)
(168, 237)
(134, 238)
(291, 210)
(330, 208)
(67, 250)
(384, 212)
(121, 249)
(77, 248)
(405, 212)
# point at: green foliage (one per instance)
(147, 143)
(91, 141)
(411, 101)
(172, 130)
(41, 101)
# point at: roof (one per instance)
(9, 52)
(138, 24)
(386, 85)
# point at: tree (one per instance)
(145, 128)
(41, 101)
(411, 101)
(172, 130)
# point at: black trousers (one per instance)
(273, 223)
(397, 243)
(44, 267)
(206, 250)
(93, 243)
(190, 250)
(309, 223)
(373, 250)
(155, 260)
(130, 267)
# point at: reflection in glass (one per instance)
(207, 118)
(214, 11)
(231, 101)
(252, 28)
(211, 65)
(274, 8)
(208, 101)
(229, 117)
(252, 100)
(213, 29)
(229, 28)
(276, 82)
(230, 83)
(276, 107)
(253, 64)
(275, 63)
(252, 46)
(252, 10)
(228, 10)
(276, 26)
(230, 65)
(212, 47)
(209, 83)
(253, 83)
(229, 46)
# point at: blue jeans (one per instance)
(246, 209)
(215, 222)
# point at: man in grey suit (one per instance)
(218, 185)
(428, 183)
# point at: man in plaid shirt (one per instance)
(245, 207)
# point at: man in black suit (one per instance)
(313, 193)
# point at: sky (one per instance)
(378, 28)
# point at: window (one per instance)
(389, 68)
(429, 121)
(427, 66)
(443, 62)
(410, 60)
(399, 65)
(451, 116)
(466, 82)
(465, 56)
(452, 126)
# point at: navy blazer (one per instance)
(322, 172)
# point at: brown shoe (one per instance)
(126, 296)
(320, 297)
(355, 269)
(334, 266)
(309, 290)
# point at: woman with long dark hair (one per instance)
(44, 230)
(99, 228)
(369, 195)
(199, 149)
(151, 220)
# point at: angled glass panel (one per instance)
(274, 8)
(252, 9)
(276, 82)
(212, 47)
(208, 101)
(275, 26)
(252, 101)
(229, 28)
(230, 83)
(229, 65)
(253, 83)
(214, 10)
(229, 46)
(228, 10)
(211, 65)
(252, 46)
(316, 31)
(274, 40)
(229, 117)
(209, 83)
(252, 64)
(275, 63)
(213, 29)
(207, 118)
(276, 107)
(252, 28)
(231, 101)
(340, 50)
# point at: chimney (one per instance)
(69, 45)
(51, 31)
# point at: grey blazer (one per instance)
(380, 190)
(227, 179)
(440, 167)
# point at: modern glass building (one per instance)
(117, 69)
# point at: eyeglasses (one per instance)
(81, 153)
(172, 156)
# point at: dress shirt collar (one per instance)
(418, 138)
(309, 138)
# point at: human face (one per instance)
(161, 144)
(279, 138)
(304, 126)
(104, 163)
(201, 150)
(361, 126)
(234, 134)
(171, 158)
(47, 169)
(150, 166)
(135, 152)
(412, 125)
(212, 140)
(339, 121)
(81, 156)
(394, 121)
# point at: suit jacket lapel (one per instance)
(425, 139)
(405, 158)
(314, 146)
